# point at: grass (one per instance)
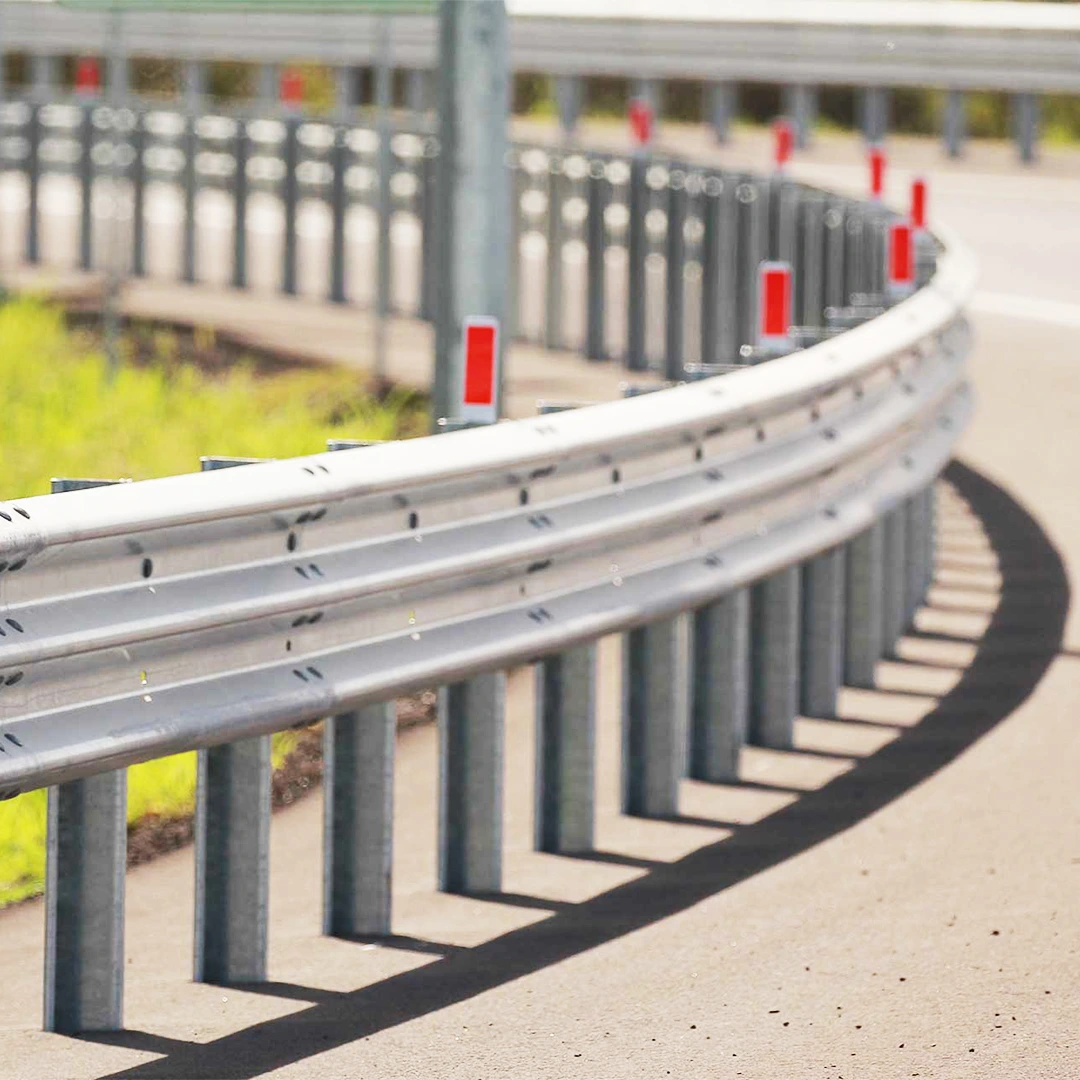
(64, 416)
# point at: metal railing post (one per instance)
(1025, 122)
(811, 281)
(358, 815)
(290, 154)
(428, 234)
(86, 188)
(566, 750)
(954, 123)
(930, 537)
(822, 632)
(85, 863)
(835, 292)
(863, 604)
(138, 196)
(471, 737)
(674, 276)
(240, 201)
(597, 252)
(722, 105)
(711, 192)
(728, 274)
(655, 706)
(232, 850)
(338, 210)
(190, 182)
(553, 293)
(774, 651)
(721, 687)
(916, 551)
(384, 209)
(894, 580)
(33, 184)
(637, 208)
(800, 104)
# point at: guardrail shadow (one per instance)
(990, 688)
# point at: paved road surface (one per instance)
(895, 898)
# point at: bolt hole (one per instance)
(20, 510)
(147, 567)
(11, 680)
(300, 675)
(288, 646)
(12, 738)
(699, 453)
(523, 496)
(414, 519)
(616, 476)
(15, 625)
(17, 565)
(5, 516)
(290, 543)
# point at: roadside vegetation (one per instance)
(65, 416)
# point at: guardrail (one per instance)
(757, 538)
(644, 259)
(1023, 49)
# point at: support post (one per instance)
(712, 192)
(1025, 108)
(566, 750)
(894, 578)
(637, 248)
(915, 549)
(339, 157)
(358, 816)
(85, 862)
(655, 704)
(722, 103)
(800, 105)
(674, 318)
(473, 250)
(86, 187)
(290, 152)
(137, 175)
(822, 632)
(417, 92)
(721, 696)
(471, 735)
(864, 637)
(875, 113)
(597, 251)
(775, 659)
(33, 183)
(568, 98)
(553, 291)
(240, 200)
(384, 80)
(194, 97)
(954, 123)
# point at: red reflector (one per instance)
(775, 302)
(877, 172)
(87, 76)
(640, 115)
(918, 204)
(784, 137)
(901, 254)
(292, 87)
(479, 364)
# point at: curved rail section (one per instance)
(758, 537)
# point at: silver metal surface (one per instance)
(864, 632)
(894, 578)
(774, 658)
(822, 650)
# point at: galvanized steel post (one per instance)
(721, 687)
(894, 580)
(566, 750)
(811, 281)
(774, 696)
(712, 190)
(655, 707)
(568, 97)
(240, 200)
(553, 291)
(863, 603)
(358, 816)
(137, 175)
(473, 196)
(875, 113)
(384, 208)
(194, 95)
(1025, 122)
(721, 108)
(916, 521)
(471, 737)
(954, 123)
(290, 159)
(822, 632)
(33, 183)
(675, 276)
(86, 187)
(338, 210)
(637, 208)
(800, 104)
(597, 252)
(428, 231)
(85, 863)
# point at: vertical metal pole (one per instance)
(384, 74)
(232, 851)
(863, 604)
(568, 96)
(835, 245)
(240, 201)
(33, 183)
(930, 497)
(638, 207)
(84, 904)
(117, 98)
(812, 286)
(86, 187)
(85, 862)
(675, 314)
(338, 209)
(917, 521)
(290, 153)
(471, 735)
(774, 647)
(655, 699)
(267, 90)
(474, 100)
(875, 110)
(519, 182)
(417, 91)
(800, 104)
(194, 94)
(1026, 124)
(710, 269)
(597, 250)
(721, 696)
(344, 92)
(722, 104)
(728, 274)
(553, 293)
(358, 811)
(566, 750)
(232, 857)
(894, 580)
(429, 231)
(954, 123)
(138, 196)
(822, 632)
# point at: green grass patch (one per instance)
(65, 416)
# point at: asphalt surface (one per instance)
(896, 897)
